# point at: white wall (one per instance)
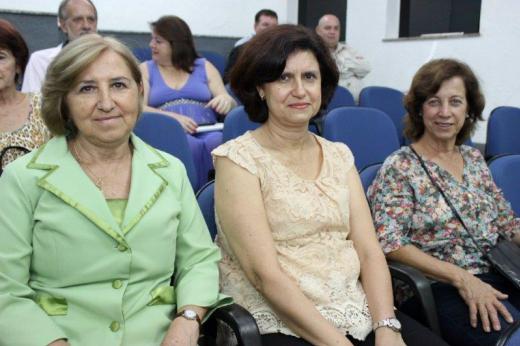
(225, 18)
(494, 55)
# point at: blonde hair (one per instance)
(64, 70)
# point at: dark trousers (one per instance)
(414, 334)
(453, 312)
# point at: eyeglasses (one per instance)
(10, 153)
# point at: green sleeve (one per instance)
(196, 260)
(22, 321)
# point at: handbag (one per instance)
(504, 256)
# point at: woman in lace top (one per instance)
(21, 126)
(298, 244)
(179, 84)
(415, 224)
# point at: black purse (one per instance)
(504, 256)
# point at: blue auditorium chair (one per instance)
(142, 53)
(502, 132)
(341, 98)
(506, 174)
(388, 100)
(219, 61)
(166, 134)
(236, 123)
(368, 132)
(368, 174)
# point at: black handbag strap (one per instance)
(448, 201)
(4, 152)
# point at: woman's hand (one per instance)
(59, 342)
(182, 332)
(387, 337)
(188, 124)
(484, 300)
(222, 103)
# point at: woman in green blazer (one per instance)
(94, 224)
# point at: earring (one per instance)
(420, 114)
(262, 96)
(467, 116)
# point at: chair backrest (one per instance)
(219, 61)
(506, 172)
(166, 134)
(368, 174)
(237, 123)
(142, 53)
(368, 132)
(502, 132)
(341, 98)
(206, 200)
(387, 100)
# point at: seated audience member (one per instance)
(189, 89)
(415, 223)
(75, 18)
(264, 19)
(299, 248)
(352, 66)
(94, 224)
(21, 126)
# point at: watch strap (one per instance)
(189, 315)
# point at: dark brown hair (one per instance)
(174, 30)
(12, 40)
(263, 61)
(427, 82)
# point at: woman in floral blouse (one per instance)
(416, 226)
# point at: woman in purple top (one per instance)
(179, 84)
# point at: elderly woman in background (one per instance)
(180, 84)
(21, 126)
(95, 223)
(414, 222)
(299, 248)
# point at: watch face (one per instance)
(190, 314)
(395, 323)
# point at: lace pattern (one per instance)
(309, 220)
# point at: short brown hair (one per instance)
(12, 40)
(427, 82)
(263, 60)
(174, 30)
(64, 70)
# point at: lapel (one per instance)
(67, 181)
(147, 182)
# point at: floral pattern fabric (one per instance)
(30, 136)
(309, 221)
(408, 209)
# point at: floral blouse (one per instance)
(408, 209)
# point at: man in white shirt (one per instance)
(264, 19)
(351, 65)
(75, 18)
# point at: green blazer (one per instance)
(69, 270)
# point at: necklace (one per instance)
(98, 181)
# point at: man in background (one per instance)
(351, 65)
(264, 19)
(75, 18)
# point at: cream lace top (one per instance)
(309, 220)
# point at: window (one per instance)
(422, 17)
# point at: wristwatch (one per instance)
(392, 323)
(189, 315)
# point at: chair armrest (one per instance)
(239, 320)
(422, 289)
